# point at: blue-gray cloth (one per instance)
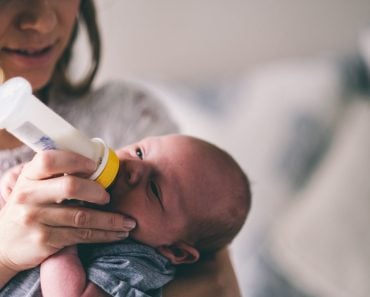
(125, 269)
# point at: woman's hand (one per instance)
(34, 224)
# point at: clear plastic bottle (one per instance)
(36, 125)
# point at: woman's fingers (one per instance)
(49, 163)
(36, 221)
(59, 189)
(8, 181)
(85, 218)
(41, 230)
(62, 236)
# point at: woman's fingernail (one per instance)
(122, 234)
(91, 165)
(106, 198)
(129, 224)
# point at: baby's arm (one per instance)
(63, 275)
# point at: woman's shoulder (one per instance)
(134, 96)
(118, 111)
(136, 108)
(110, 94)
(128, 91)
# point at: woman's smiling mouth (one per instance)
(31, 56)
(28, 52)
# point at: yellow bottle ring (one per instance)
(108, 165)
(110, 170)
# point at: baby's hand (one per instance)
(8, 181)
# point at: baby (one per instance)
(189, 200)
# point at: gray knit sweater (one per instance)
(120, 113)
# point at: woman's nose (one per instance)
(38, 15)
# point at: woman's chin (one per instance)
(37, 82)
(38, 85)
(38, 79)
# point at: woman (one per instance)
(36, 40)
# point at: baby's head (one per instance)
(187, 196)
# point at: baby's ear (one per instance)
(179, 253)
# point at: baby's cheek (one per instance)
(138, 234)
(148, 234)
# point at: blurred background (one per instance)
(284, 87)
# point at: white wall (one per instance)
(194, 41)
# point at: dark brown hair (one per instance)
(216, 232)
(218, 225)
(60, 79)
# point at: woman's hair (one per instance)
(60, 78)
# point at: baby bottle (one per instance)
(36, 125)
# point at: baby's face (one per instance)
(157, 186)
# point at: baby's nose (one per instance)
(137, 170)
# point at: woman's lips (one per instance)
(28, 52)
(30, 57)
